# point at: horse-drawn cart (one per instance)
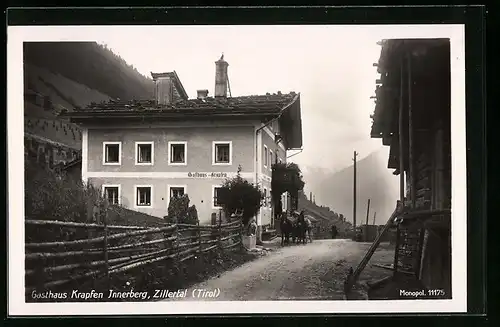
(296, 227)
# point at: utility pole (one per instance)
(367, 212)
(374, 215)
(354, 192)
(366, 226)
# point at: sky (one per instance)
(330, 65)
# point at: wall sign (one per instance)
(207, 175)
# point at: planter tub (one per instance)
(250, 242)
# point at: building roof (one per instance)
(49, 141)
(254, 107)
(55, 131)
(388, 86)
(228, 106)
(430, 61)
(177, 82)
(76, 163)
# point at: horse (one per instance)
(300, 232)
(286, 229)
(301, 228)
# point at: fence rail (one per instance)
(119, 249)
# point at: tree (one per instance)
(238, 194)
(179, 211)
(286, 177)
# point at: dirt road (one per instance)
(315, 271)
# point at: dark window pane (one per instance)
(222, 153)
(111, 194)
(112, 153)
(216, 197)
(177, 153)
(143, 196)
(176, 192)
(144, 153)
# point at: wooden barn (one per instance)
(412, 116)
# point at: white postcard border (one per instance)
(16, 299)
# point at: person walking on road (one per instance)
(334, 231)
(309, 228)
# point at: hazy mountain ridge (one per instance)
(374, 181)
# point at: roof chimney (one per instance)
(164, 88)
(221, 78)
(202, 94)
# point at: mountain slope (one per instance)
(67, 75)
(90, 64)
(325, 217)
(374, 182)
(63, 92)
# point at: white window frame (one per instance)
(104, 186)
(137, 163)
(266, 158)
(135, 196)
(213, 196)
(270, 159)
(170, 163)
(214, 153)
(169, 187)
(104, 144)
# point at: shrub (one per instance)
(238, 194)
(179, 211)
(49, 196)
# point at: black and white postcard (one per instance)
(236, 169)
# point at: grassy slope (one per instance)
(94, 74)
(90, 64)
(62, 91)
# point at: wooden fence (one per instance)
(97, 251)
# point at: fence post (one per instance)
(199, 239)
(396, 252)
(90, 216)
(219, 231)
(176, 248)
(242, 227)
(106, 259)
